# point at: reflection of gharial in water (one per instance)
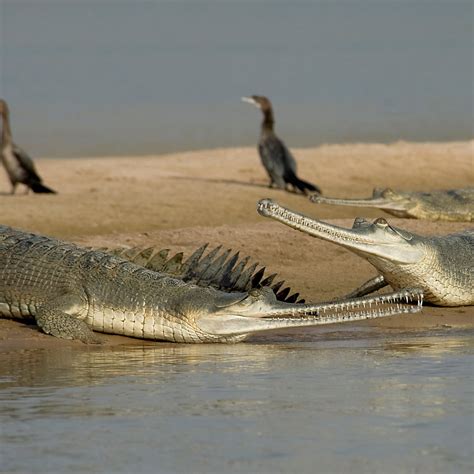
(445, 205)
(63, 367)
(440, 266)
(89, 365)
(70, 290)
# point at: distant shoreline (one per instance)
(218, 148)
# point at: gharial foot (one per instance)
(65, 326)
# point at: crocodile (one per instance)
(446, 205)
(71, 291)
(442, 266)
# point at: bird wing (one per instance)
(26, 162)
(290, 161)
(272, 153)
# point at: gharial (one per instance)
(446, 205)
(274, 154)
(70, 291)
(18, 165)
(442, 266)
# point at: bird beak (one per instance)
(249, 100)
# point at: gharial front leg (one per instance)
(53, 318)
(370, 286)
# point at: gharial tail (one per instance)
(38, 187)
(291, 178)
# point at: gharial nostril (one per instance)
(263, 206)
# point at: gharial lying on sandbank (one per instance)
(18, 165)
(442, 266)
(446, 205)
(275, 156)
(70, 291)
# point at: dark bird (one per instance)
(18, 165)
(276, 158)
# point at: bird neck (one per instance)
(268, 120)
(6, 130)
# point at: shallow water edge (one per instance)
(359, 399)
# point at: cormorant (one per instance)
(18, 165)
(276, 158)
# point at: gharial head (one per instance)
(376, 239)
(214, 316)
(260, 101)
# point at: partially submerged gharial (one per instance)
(446, 205)
(70, 291)
(441, 266)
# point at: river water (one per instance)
(354, 400)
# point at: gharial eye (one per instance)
(381, 222)
(388, 192)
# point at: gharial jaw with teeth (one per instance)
(265, 314)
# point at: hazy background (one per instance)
(116, 77)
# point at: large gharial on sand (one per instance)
(442, 266)
(445, 205)
(71, 291)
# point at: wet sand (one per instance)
(180, 201)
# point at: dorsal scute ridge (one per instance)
(221, 269)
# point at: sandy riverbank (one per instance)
(180, 201)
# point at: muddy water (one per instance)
(361, 400)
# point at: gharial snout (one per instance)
(317, 198)
(264, 207)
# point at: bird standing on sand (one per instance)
(276, 158)
(18, 165)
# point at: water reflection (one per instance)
(431, 346)
(83, 365)
(86, 366)
(362, 401)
